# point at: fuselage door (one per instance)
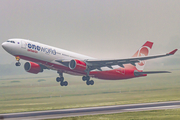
(23, 44)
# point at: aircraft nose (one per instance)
(4, 45)
(8, 47)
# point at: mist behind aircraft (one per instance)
(100, 29)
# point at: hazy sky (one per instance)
(98, 28)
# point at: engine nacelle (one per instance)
(32, 67)
(77, 65)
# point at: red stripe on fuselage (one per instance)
(115, 74)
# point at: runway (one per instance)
(49, 114)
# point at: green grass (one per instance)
(173, 114)
(32, 94)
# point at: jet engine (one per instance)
(77, 65)
(32, 67)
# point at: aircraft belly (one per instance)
(115, 74)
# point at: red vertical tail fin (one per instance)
(143, 51)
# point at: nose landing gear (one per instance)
(18, 59)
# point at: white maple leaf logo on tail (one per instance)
(142, 52)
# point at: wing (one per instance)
(97, 64)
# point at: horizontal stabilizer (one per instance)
(136, 73)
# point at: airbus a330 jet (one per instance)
(41, 56)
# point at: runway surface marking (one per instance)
(49, 114)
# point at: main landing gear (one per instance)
(18, 63)
(88, 81)
(61, 79)
(65, 83)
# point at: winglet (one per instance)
(172, 52)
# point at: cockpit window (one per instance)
(10, 41)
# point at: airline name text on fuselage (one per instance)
(46, 50)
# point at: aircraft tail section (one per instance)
(142, 52)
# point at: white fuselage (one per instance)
(40, 53)
(48, 56)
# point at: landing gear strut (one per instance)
(18, 63)
(88, 81)
(61, 79)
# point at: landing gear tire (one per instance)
(91, 82)
(18, 64)
(65, 83)
(59, 79)
(87, 83)
(87, 77)
(61, 83)
(84, 78)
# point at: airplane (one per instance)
(41, 57)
